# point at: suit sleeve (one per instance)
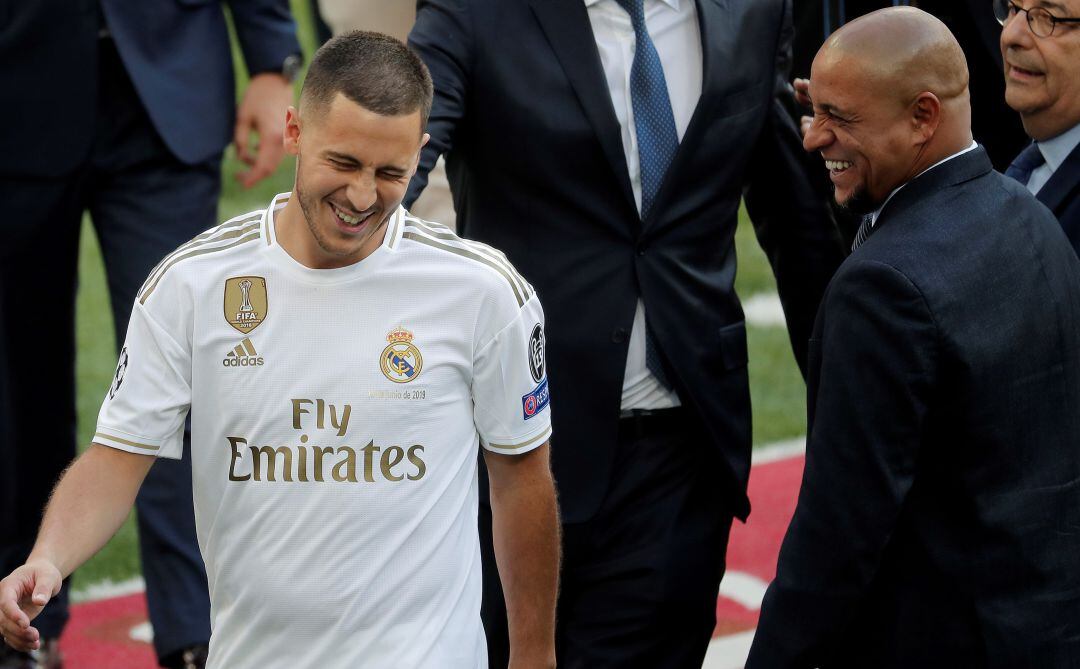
(442, 36)
(877, 369)
(790, 213)
(266, 31)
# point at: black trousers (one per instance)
(640, 579)
(143, 203)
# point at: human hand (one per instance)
(802, 91)
(23, 594)
(802, 96)
(262, 111)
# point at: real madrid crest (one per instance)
(245, 302)
(400, 361)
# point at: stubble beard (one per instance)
(309, 206)
(858, 204)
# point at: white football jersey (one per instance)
(335, 417)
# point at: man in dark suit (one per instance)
(937, 521)
(1042, 82)
(123, 109)
(612, 175)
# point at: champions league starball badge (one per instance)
(400, 361)
(536, 353)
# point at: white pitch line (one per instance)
(746, 589)
(778, 450)
(728, 652)
(107, 589)
(144, 632)
(764, 310)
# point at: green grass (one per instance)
(777, 392)
(776, 388)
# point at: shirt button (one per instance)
(619, 335)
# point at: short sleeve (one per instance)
(148, 401)
(510, 387)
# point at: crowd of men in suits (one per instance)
(605, 147)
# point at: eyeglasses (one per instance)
(1041, 21)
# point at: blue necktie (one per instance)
(654, 121)
(654, 124)
(1027, 162)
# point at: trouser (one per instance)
(639, 579)
(143, 203)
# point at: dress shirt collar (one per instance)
(877, 212)
(1056, 150)
(674, 4)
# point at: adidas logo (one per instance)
(243, 355)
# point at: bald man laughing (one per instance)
(938, 524)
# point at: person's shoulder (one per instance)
(219, 244)
(477, 266)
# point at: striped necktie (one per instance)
(865, 228)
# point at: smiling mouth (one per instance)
(1013, 69)
(838, 166)
(350, 220)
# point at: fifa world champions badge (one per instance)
(245, 302)
(401, 361)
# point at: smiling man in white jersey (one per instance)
(341, 361)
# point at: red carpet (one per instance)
(99, 634)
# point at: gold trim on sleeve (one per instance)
(502, 447)
(126, 442)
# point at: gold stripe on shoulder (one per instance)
(195, 241)
(465, 253)
(145, 447)
(394, 231)
(491, 252)
(472, 244)
(203, 250)
(508, 447)
(226, 233)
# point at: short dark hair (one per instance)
(375, 71)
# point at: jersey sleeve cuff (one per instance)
(518, 446)
(132, 443)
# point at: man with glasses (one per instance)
(1042, 83)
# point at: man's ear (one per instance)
(423, 142)
(925, 115)
(292, 131)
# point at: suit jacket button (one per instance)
(619, 335)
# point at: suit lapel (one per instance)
(566, 24)
(1064, 181)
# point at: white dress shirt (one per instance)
(1054, 151)
(673, 28)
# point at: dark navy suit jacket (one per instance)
(536, 164)
(176, 52)
(938, 524)
(1061, 194)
